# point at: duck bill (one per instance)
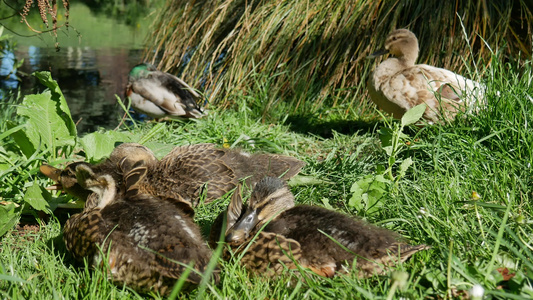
(378, 53)
(50, 172)
(242, 228)
(55, 187)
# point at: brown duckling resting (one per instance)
(324, 241)
(146, 243)
(66, 178)
(185, 173)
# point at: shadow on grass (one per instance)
(309, 124)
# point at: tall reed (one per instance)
(312, 54)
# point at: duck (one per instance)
(161, 95)
(126, 153)
(141, 241)
(191, 174)
(398, 84)
(272, 234)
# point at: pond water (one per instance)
(91, 66)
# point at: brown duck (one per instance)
(146, 243)
(66, 178)
(398, 84)
(324, 241)
(186, 173)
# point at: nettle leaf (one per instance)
(99, 145)
(8, 218)
(413, 115)
(38, 198)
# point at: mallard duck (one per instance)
(187, 172)
(324, 241)
(142, 241)
(159, 94)
(397, 84)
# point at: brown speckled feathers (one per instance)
(144, 241)
(322, 240)
(186, 172)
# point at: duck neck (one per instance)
(409, 59)
(408, 54)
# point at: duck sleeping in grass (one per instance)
(159, 94)
(398, 84)
(279, 234)
(187, 173)
(142, 241)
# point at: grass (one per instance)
(474, 240)
(482, 238)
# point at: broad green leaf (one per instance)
(38, 198)
(45, 125)
(57, 96)
(325, 202)
(8, 218)
(99, 145)
(22, 140)
(159, 149)
(413, 115)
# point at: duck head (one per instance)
(103, 186)
(122, 160)
(270, 197)
(141, 71)
(66, 179)
(402, 44)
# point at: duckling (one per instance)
(159, 94)
(146, 243)
(66, 179)
(187, 172)
(398, 84)
(324, 241)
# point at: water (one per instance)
(90, 69)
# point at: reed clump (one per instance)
(311, 55)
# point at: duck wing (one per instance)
(193, 170)
(444, 92)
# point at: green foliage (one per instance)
(42, 128)
(98, 145)
(48, 122)
(368, 192)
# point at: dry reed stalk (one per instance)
(312, 53)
